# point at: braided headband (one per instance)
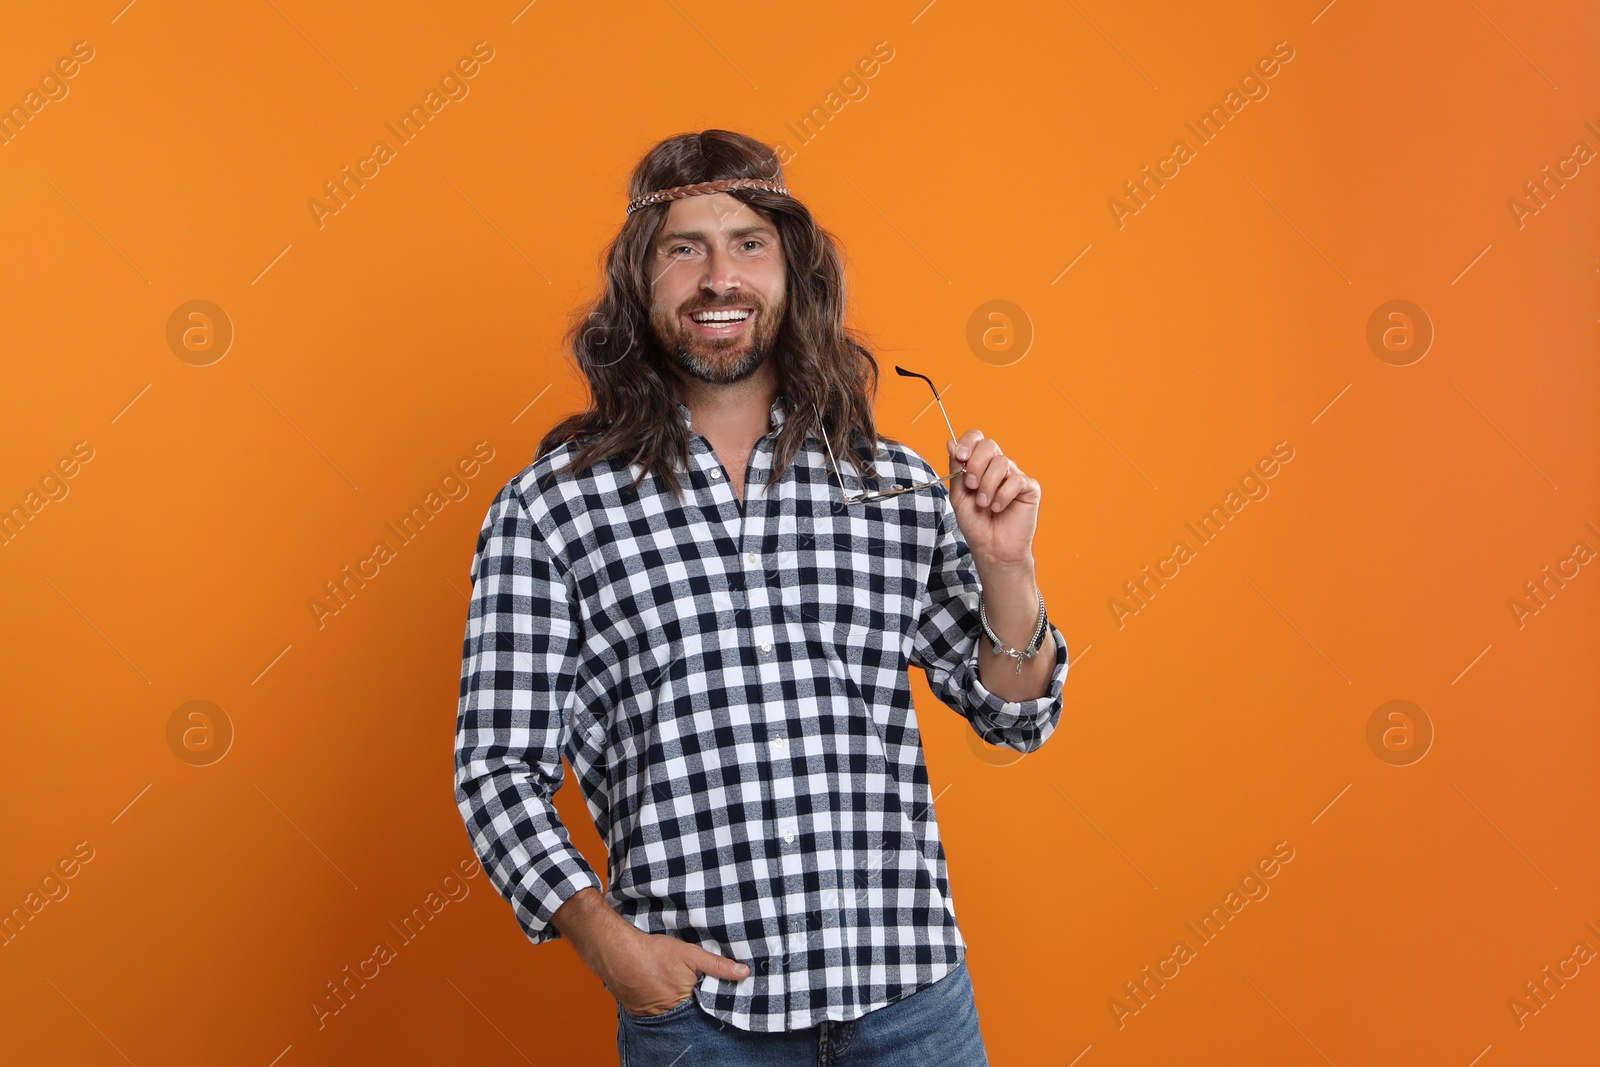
(721, 185)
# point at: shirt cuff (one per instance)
(1041, 711)
(543, 903)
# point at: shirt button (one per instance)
(751, 558)
(788, 836)
(778, 744)
(716, 474)
(766, 646)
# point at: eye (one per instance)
(752, 241)
(679, 249)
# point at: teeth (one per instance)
(720, 316)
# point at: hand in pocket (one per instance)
(659, 971)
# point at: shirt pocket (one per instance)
(873, 657)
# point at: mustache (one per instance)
(723, 305)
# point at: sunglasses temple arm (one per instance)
(831, 459)
(945, 413)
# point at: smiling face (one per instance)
(717, 299)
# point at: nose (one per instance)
(721, 275)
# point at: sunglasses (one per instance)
(880, 494)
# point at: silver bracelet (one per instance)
(1018, 654)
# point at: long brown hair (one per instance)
(633, 411)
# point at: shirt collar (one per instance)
(775, 416)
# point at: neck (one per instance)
(738, 414)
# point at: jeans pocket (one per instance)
(682, 1007)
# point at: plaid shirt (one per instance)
(728, 682)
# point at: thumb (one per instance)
(718, 966)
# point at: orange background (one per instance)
(1228, 314)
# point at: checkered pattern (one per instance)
(728, 683)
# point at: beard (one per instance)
(718, 360)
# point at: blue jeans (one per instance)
(937, 1026)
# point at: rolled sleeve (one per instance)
(517, 668)
(946, 647)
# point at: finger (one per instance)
(994, 472)
(999, 469)
(1013, 488)
(964, 445)
(719, 966)
(982, 460)
(996, 498)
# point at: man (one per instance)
(691, 595)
